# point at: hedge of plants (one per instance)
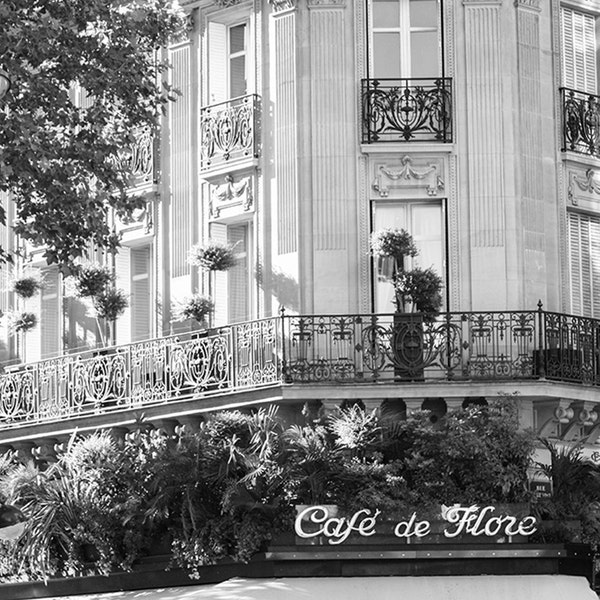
(225, 490)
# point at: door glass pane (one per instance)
(386, 55)
(424, 53)
(239, 279)
(424, 222)
(237, 76)
(423, 13)
(386, 13)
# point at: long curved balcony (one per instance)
(305, 349)
(407, 110)
(580, 122)
(229, 131)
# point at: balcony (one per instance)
(580, 122)
(229, 131)
(141, 159)
(298, 350)
(406, 110)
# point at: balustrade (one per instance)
(229, 131)
(405, 110)
(369, 348)
(581, 122)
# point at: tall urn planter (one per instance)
(407, 346)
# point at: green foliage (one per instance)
(62, 161)
(26, 287)
(92, 279)
(226, 489)
(422, 287)
(21, 321)
(196, 307)
(111, 303)
(396, 243)
(213, 256)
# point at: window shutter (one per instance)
(123, 281)
(579, 50)
(239, 283)
(219, 292)
(50, 317)
(584, 248)
(140, 294)
(30, 343)
(217, 62)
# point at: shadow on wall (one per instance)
(281, 286)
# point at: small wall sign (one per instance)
(457, 522)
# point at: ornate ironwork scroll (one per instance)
(581, 122)
(404, 110)
(229, 131)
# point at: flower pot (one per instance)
(407, 345)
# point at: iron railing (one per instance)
(141, 158)
(229, 131)
(580, 122)
(355, 349)
(405, 110)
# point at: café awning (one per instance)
(488, 587)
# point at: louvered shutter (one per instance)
(579, 50)
(238, 274)
(584, 248)
(140, 294)
(31, 348)
(217, 62)
(123, 282)
(219, 291)
(50, 316)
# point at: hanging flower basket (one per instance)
(92, 280)
(23, 322)
(26, 287)
(195, 307)
(111, 303)
(213, 256)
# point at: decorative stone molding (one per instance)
(340, 3)
(583, 190)
(231, 194)
(280, 5)
(408, 177)
(528, 4)
(140, 219)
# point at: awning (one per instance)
(482, 587)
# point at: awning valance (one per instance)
(486, 587)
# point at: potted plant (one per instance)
(23, 321)
(212, 256)
(420, 288)
(390, 247)
(26, 286)
(111, 303)
(92, 280)
(195, 307)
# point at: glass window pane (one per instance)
(386, 55)
(237, 39)
(386, 13)
(423, 13)
(424, 52)
(237, 76)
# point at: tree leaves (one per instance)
(85, 76)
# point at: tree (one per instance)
(63, 161)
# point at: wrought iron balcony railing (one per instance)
(580, 122)
(229, 131)
(140, 159)
(406, 110)
(468, 346)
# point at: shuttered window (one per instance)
(50, 314)
(123, 282)
(141, 297)
(239, 277)
(584, 248)
(579, 50)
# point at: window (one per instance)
(579, 58)
(405, 38)
(424, 221)
(584, 250)
(227, 61)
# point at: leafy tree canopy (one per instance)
(61, 160)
